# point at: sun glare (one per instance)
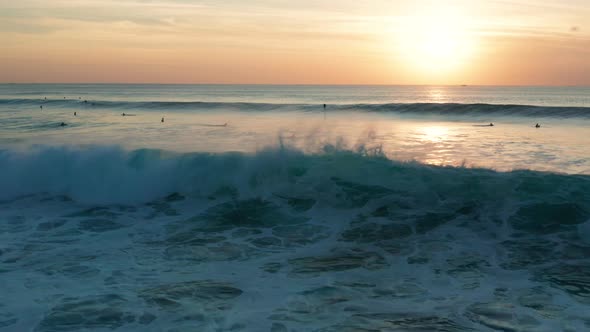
(433, 133)
(435, 42)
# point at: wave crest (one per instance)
(440, 109)
(337, 177)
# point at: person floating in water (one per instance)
(63, 124)
(123, 114)
(537, 126)
(41, 107)
(75, 114)
(491, 124)
(162, 119)
(85, 101)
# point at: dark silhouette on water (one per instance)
(63, 124)
(123, 114)
(212, 125)
(491, 124)
(75, 114)
(324, 106)
(537, 126)
(41, 107)
(162, 119)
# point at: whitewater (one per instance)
(256, 208)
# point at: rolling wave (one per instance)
(336, 177)
(438, 109)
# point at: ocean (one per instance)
(294, 208)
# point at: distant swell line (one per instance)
(441, 109)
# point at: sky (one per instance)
(521, 42)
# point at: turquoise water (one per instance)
(251, 208)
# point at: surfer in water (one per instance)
(41, 107)
(162, 119)
(75, 114)
(537, 126)
(63, 124)
(123, 114)
(491, 124)
(324, 106)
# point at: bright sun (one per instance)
(435, 42)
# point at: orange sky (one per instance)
(522, 42)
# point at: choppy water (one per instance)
(252, 209)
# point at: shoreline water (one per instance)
(285, 240)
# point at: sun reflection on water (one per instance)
(437, 95)
(434, 133)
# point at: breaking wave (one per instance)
(440, 109)
(335, 240)
(333, 176)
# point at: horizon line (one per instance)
(297, 84)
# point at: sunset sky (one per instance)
(522, 42)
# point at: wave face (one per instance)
(439, 109)
(332, 241)
(112, 175)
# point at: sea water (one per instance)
(256, 208)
